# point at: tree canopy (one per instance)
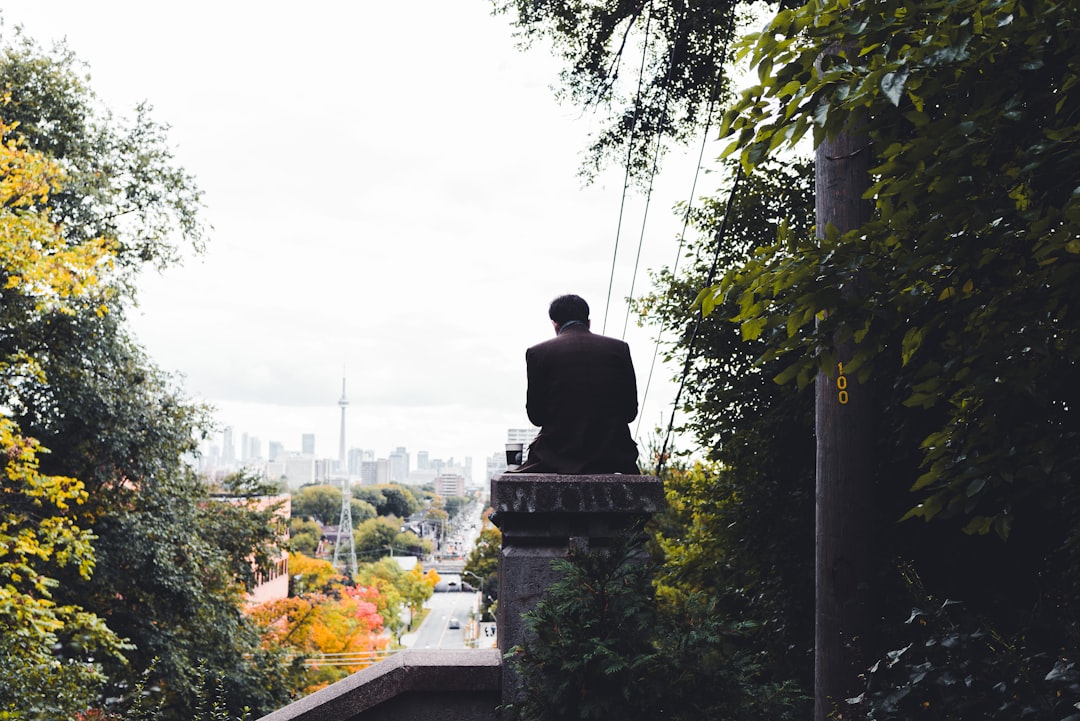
(123, 573)
(965, 321)
(653, 71)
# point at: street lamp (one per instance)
(478, 578)
(479, 605)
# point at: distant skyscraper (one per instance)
(357, 457)
(254, 448)
(307, 444)
(228, 451)
(275, 451)
(421, 460)
(399, 466)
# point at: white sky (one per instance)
(393, 192)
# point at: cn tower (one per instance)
(343, 403)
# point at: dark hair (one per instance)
(568, 307)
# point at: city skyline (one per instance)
(235, 445)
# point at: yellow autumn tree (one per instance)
(48, 647)
(36, 261)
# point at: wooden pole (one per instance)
(844, 494)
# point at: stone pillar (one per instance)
(542, 516)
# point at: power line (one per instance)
(699, 317)
(652, 179)
(629, 165)
(713, 98)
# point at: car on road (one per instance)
(454, 623)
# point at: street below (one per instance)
(436, 631)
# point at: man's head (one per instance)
(566, 308)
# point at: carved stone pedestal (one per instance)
(543, 516)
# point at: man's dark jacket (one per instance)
(582, 393)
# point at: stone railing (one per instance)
(414, 685)
(541, 517)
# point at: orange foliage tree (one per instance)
(336, 627)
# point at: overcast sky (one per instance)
(394, 196)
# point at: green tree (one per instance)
(600, 646)
(53, 650)
(170, 570)
(483, 562)
(323, 503)
(49, 648)
(382, 536)
(170, 563)
(369, 494)
(304, 536)
(962, 220)
(968, 265)
(398, 501)
(453, 505)
(739, 527)
(121, 180)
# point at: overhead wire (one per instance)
(714, 97)
(652, 179)
(629, 165)
(686, 219)
(678, 253)
(698, 318)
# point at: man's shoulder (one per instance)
(575, 339)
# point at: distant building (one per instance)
(496, 464)
(307, 444)
(422, 476)
(252, 448)
(228, 449)
(274, 471)
(356, 459)
(299, 470)
(449, 485)
(272, 583)
(275, 451)
(399, 466)
(369, 472)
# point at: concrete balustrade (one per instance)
(541, 516)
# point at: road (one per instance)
(444, 605)
(435, 631)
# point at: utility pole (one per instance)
(345, 530)
(844, 539)
(345, 525)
